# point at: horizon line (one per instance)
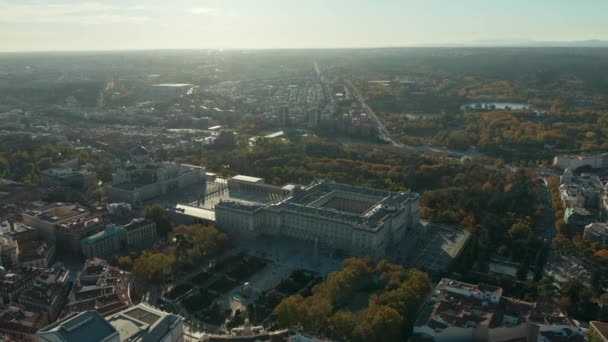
(532, 45)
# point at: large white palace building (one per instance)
(359, 221)
(142, 178)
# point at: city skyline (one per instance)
(49, 25)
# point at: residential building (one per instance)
(9, 252)
(141, 233)
(142, 178)
(597, 232)
(458, 311)
(12, 284)
(69, 234)
(100, 287)
(578, 217)
(20, 245)
(26, 248)
(45, 217)
(356, 220)
(13, 192)
(599, 331)
(48, 293)
(37, 253)
(106, 243)
(585, 190)
(20, 323)
(19, 232)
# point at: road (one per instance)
(561, 268)
(547, 220)
(385, 135)
(323, 83)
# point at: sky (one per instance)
(55, 25)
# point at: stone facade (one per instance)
(356, 220)
(142, 179)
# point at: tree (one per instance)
(385, 323)
(196, 244)
(125, 262)
(519, 231)
(98, 194)
(290, 311)
(546, 288)
(342, 325)
(394, 295)
(159, 214)
(153, 267)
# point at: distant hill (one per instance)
(530, 43)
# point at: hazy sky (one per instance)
(33, 25)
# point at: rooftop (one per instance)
(363, 207)
(137, 223)
(108, 232)
(172, 85)
(84, 326)
(30, 250)
(248, 179)
(79, 222)
(100, 287)
(7, 228)
(200, 213)
(275, 135)
(13, 280)
(143, 323)
(451, 307)
(600, 328)
(56, 212)
(19, 319)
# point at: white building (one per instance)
(142, 179)
(596, 161)
(356, 220)
(143, 323)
